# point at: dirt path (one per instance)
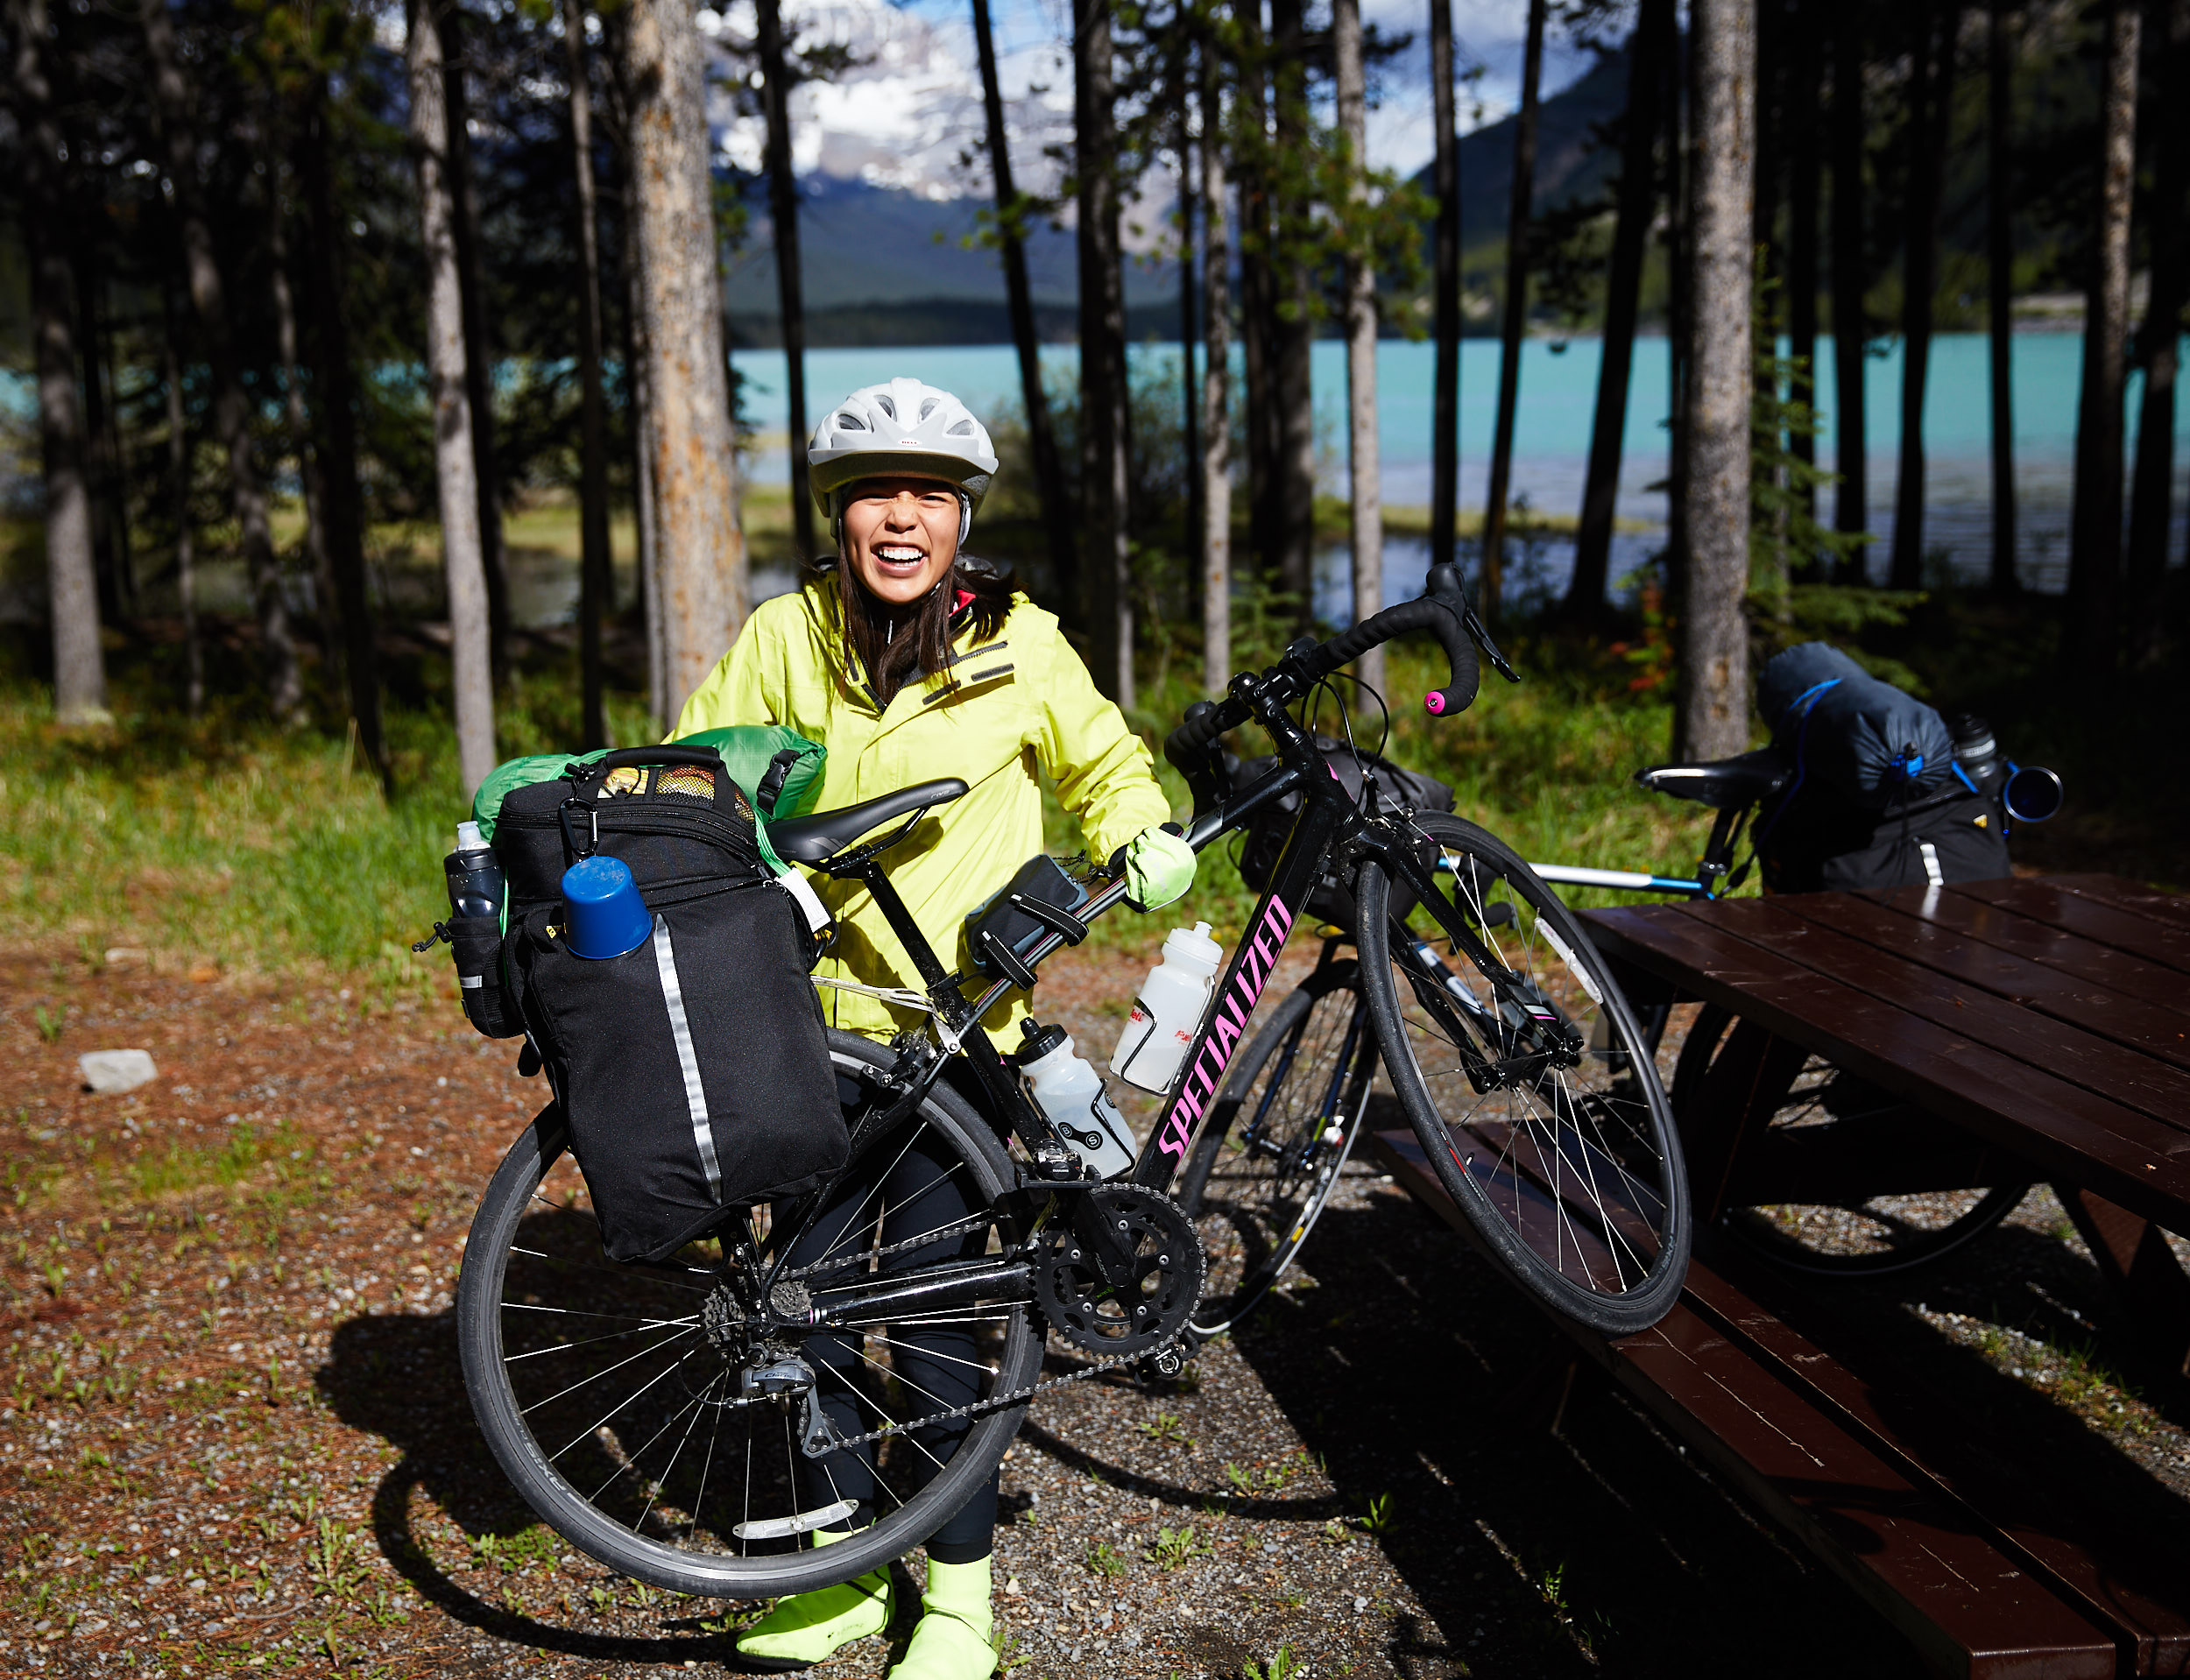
(234, 1437)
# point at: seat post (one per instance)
(902, 923)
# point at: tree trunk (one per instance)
(1679, 315)
(1679, 311)
(469, 655)
(1928, 121)
(790, 289)
(1216, 462)
(486, 472)
(334, 387)
(1364, 499)
(2093, 632)
(103, 480)
(185, 534)
(1637, 205)
(1258, 286)
(1712, 709)
(700, 560)
(1103, 393)
(1444, 398)
(172, 100)
(1851, 329)
(1041, 437)
(1293, 325)
(1805, 67)
(1188, 333)
(80, 677)
(293, 420)
(2151, 500)
(597, 575)
(1519, 207)
(2000, 291)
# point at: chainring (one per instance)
(1092, 1314)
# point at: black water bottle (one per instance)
(475, 877)
(475, 888)
(1976, 754)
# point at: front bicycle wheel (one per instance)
(1276, 1140)
(1522, 1070)
(640, 1413)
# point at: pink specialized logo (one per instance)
(1230, 1025)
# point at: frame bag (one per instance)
(1330, 901)
(693, 1069)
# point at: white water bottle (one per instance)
(1167, 1010)
(1071, 1094)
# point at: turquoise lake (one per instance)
(1559, 390)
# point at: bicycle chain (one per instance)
(964, 1228)
(998, 1403)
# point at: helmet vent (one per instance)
(926, 409)
(850, 421)
(885, 405)
(964, 428)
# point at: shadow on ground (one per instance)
(400, 1378)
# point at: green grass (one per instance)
(226, 840)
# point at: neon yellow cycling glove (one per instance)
(1159, 868)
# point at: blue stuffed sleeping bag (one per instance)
(1865, 739)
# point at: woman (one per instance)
(909, 660)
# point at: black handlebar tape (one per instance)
(1432, 616)
(1205, 721)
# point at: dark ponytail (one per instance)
(893, 642)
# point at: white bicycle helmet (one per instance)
(899, 426)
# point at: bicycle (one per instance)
(1815, 1113)
(611, 1394)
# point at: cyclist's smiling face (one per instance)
(901, 535)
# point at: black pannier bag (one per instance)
(693, 1069)
(1820, 842)
(1330, 901)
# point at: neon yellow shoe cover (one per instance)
(807, 1629)
(953, 1639)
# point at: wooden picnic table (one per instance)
(2040, 1029)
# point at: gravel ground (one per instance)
(233, 1436)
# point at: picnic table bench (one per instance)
(2042, 1028)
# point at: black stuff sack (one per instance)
(1330, 901)
(693, 1069)
(1865, 740)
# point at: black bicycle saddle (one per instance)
(1722, 784)
(812, 839)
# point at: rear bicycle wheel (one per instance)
(1277, 1138)
(611, 1395)
(1826, 1115)
(1522, 1071)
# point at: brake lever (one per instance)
(1445, 585)
(1480, 634)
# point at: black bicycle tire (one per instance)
(1704, 1039)
(673, 1569)
(1293, 1008)
(1631, 1310)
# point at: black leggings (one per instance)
(938, 1366)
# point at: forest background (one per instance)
(375, 307)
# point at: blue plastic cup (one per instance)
(603, 914)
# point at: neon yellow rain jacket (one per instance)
(1022, 699)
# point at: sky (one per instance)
(907, 116)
